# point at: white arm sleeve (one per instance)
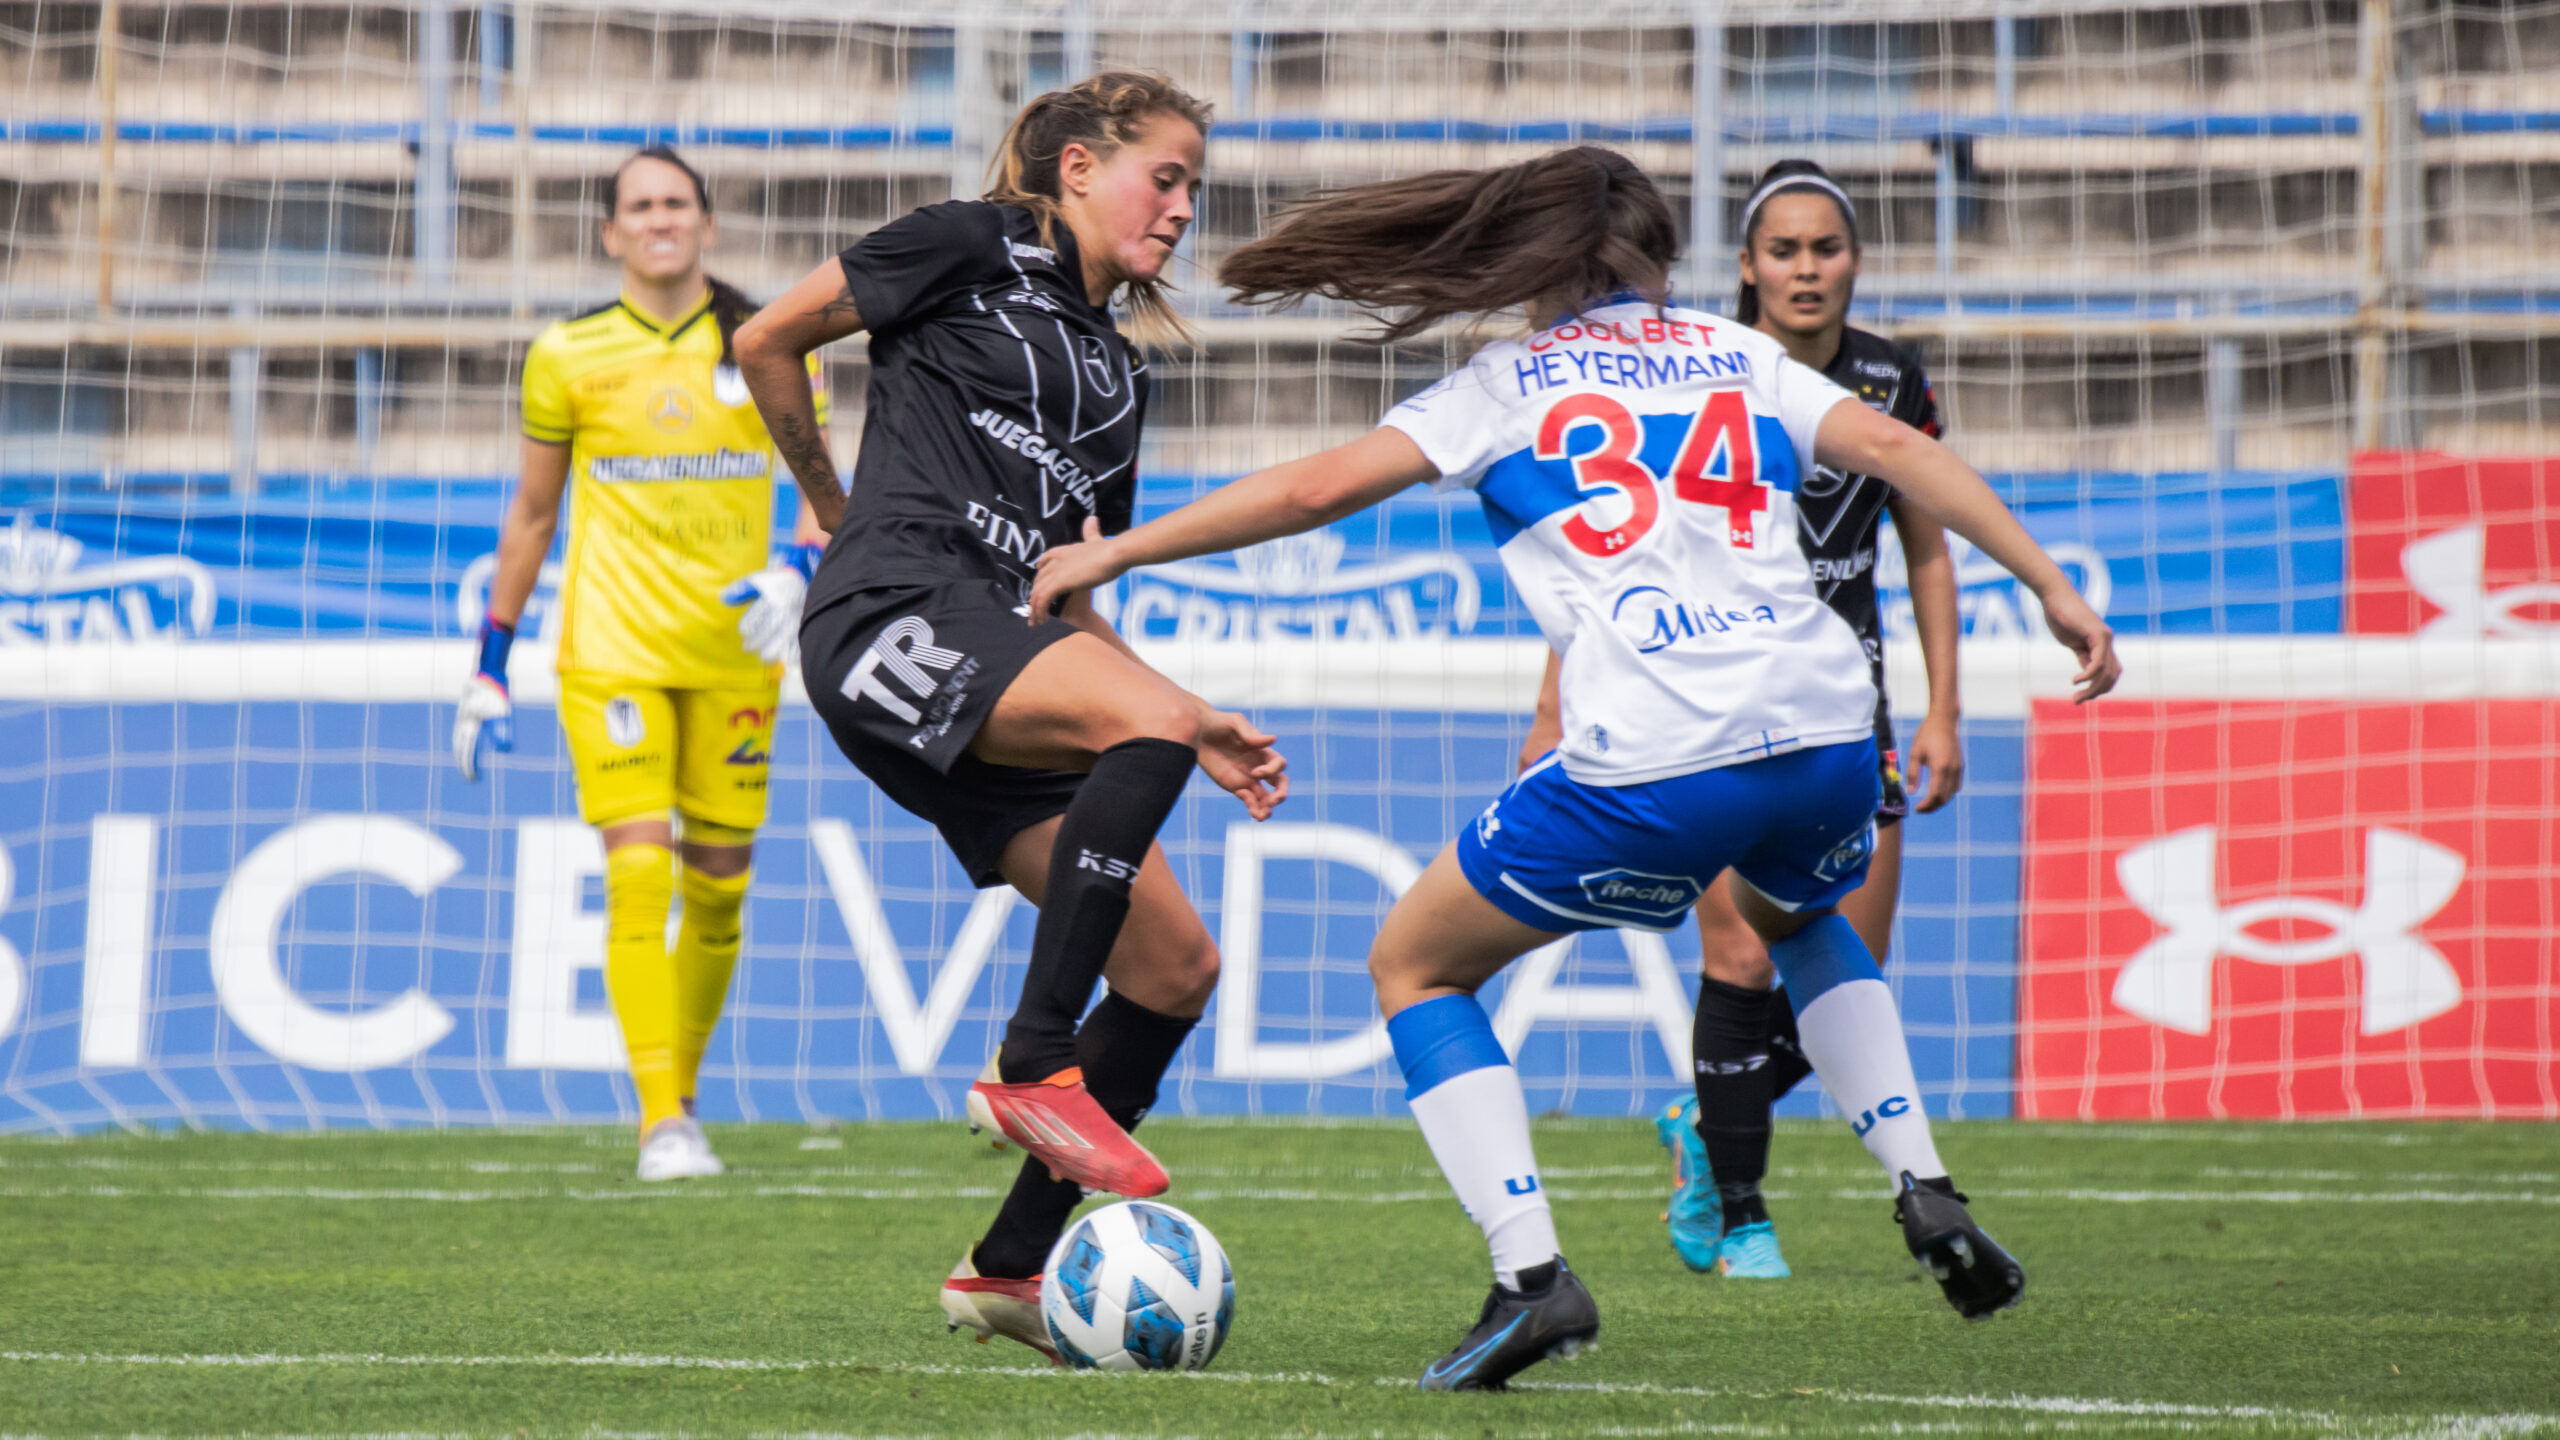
(1802, 395)
(1458, 425)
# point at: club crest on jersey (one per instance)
(1096, 359)
(1659, 899)
(671, 409)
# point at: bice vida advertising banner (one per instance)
(2291, 909)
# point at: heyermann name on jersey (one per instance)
(714, 465)
(1033, 446)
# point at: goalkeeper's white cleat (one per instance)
(982, 1116)
(677, 1150)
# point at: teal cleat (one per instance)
(1750, 1252)
(1697, 1212)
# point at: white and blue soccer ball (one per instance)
(1138, 1286)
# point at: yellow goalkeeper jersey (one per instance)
(671, 479)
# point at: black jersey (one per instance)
(1004, 406)
(1837, 514)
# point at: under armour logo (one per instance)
(2451, 571)
(2406, 980)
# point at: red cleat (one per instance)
(1056, 1121)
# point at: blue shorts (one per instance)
(1556, 854)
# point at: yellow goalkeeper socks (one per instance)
(706, 953)
(639, 885)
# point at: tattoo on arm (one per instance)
(841, 307)
(805, 451)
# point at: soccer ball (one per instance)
(1138, 1286)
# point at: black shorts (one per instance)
(904, 675)
(1896, 803)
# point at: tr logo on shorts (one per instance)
(906, 650)
(624, 725)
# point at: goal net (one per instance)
(2248, 309)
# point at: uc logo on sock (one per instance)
(1866, 1121)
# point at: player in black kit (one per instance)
(1799, 267)
(1004, 412)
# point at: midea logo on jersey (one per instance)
(48, 597)
(1662, 898)
(906, 650)
(2406, 881)
(1652, 619)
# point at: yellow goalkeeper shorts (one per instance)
(643, 750)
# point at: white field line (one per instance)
(2513, 1423)
(1414, 1172)
(713, 1190)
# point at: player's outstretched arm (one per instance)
(773, 350)
(1286, 499)
(1856, 439)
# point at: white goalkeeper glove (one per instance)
(771, 626)
(485, 710)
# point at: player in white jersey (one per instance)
(1639, 465)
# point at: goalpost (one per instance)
(2249, 310)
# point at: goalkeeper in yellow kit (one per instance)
(667, 687)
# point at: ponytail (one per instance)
(1102, 113)
(730, 306)
(1574, 227)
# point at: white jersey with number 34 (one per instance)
(1639, 469)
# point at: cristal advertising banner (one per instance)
(2166, 554)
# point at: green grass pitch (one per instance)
(2373, 1280)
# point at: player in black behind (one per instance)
(1004, 412)
(1799, 268)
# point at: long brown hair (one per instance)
(1574, 226)
(730, 306)
(1102, 113)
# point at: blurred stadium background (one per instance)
(2253, 310)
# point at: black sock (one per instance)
(1787, 1065)
(1125, 1049)
(1102, 840)
(1729, 1042)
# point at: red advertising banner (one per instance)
(2453, 546)
(2291, 909)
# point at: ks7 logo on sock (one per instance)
(2291, 909)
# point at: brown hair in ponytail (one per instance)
(1102, 113)
(730, 306)
(1572, 227)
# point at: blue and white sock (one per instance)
(1852, 1035)
(1467, 1096)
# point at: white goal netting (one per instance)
(2250, 309)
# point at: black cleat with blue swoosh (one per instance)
(1550, 1315)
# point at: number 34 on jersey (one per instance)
(1716, 464)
